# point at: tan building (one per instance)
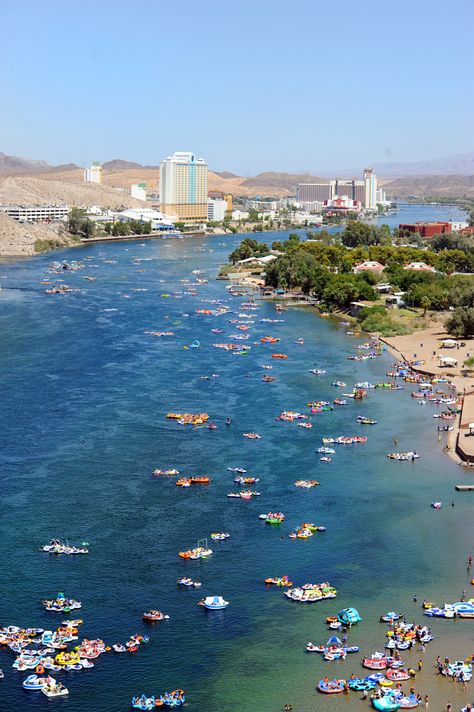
(183, 187)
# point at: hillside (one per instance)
(17, 239)
(453, 186)
(10, 164)
(459, 165)
(36, 181)
(55, 188)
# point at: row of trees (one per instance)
(302, 270)
(325, 271)
(336, 256)
(132, 227)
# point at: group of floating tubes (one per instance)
(188, 418)
(153, 616)
(273, 517)
(310, 593)
(345, 440)
(61, 604)
(176, 698)
(403, 456)
(244, 494)
(186, 581)
(198, 552)
(280, 581)
(188, 481)
(57, 547)
(364, 420)
(290, 416)
(239, 480)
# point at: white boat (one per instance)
(35, 683)
(215, 603)
(54, 690)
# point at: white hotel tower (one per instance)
(370, 189)
(183, 187)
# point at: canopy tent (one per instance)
(448, 343)
(447, 361)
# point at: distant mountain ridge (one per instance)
(13, 163)
(461, 164)
(399, 179)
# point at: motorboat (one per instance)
(36, 683)
(390, 617)
(215, 603)
(377, 661)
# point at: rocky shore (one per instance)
(19, 240)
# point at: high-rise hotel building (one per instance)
(365, 190)
(183, 187)
(370, 189)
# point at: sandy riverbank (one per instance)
(424, 347)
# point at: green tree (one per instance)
(425, 304)
(461, 322)
(75, 218)
(358, 233)
(80, 224)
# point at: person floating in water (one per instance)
(228, 420)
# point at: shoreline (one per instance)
(452, 447)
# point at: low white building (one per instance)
(259, 260)
(36, 213)
(315, 206)
(240, 215)
(216, 209)
(261, 205)
(420, 267)
(307, 218)
(457, 225)
(368, 266)
(158, 220)
(138, 191)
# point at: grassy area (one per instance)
(46, 245)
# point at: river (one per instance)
(85, 391)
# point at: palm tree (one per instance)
(425, 303)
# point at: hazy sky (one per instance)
(250, 85)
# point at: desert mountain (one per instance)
(118, 165)
(455, 186)
(10, 164)
(461, 164)
(118, 175)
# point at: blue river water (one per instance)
(85, 392)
